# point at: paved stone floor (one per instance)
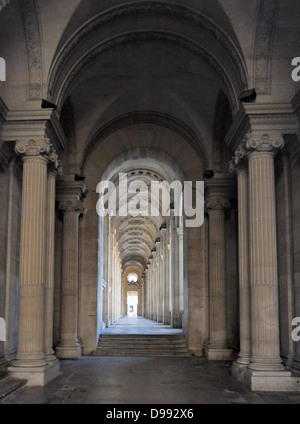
(120, 380)
(139, 325)
(157, 381)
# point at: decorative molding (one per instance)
(71, 206)
(31, 147)
(238, 162)
(219, 192)
(71, 191)
(266, 24)
(33, 48)
(34, 124)
(264, 143)
(217, 204)
(262, 118)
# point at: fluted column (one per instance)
(159, 281)
(154, 273)
(180, 266)
(165, 276)
(217, 347)
(241, 168)
(263, 254)
(30, 360)
(151, 287)
(70, 197)
(174, 273)
(49, 286)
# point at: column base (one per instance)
(36, 376)
(68, 352)
(266, 381)
(218, 354)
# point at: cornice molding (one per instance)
(34, 124)
(262, 118)
(220, 190)
(71, 191)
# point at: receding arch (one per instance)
(183, 25)
(146, 117)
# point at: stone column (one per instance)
(288, 292)
(49, 286)
(265, 371)
(154, 285)
(157, 284)
(165, 273)
(111, 276)
(180, 266)
(159, 281)
(176, 321)
(151, 287)
(217, 348)
(30, 361)
(241, 168)
(148, 291)
(70, 196)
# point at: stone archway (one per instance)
(139, 243)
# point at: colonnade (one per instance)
(112, 276)
(163, 292)
(259, 364)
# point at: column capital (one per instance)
(71, 206)
(217, 203)
(34, 148)
(269, 142)
(239, 162)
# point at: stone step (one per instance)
(142, 341)
(145, 336)
(9, 386)
(141, 348)
(142, 345)
(142, 354)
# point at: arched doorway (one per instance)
(141, 255)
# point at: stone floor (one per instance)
(111, 380)
(156, 381)
(139, 325)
